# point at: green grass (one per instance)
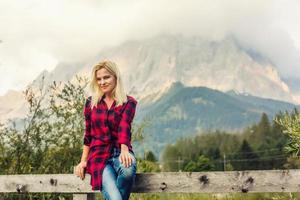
(236, 196)
(163, 196)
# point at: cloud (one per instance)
(36, 35)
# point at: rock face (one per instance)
(152, 65)
(149, 68)
(12, 105)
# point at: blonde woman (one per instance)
(107, 152)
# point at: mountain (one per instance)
(294, 84)
(149, 67)
(12, 105)
(152, 65)
(186, 111)
(184, 85)
(62, 72)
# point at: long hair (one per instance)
(118, 92)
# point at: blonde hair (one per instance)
(118, 92)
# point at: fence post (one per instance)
(88, 196)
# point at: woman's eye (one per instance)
(105, 77)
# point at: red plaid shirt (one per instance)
(105, 129)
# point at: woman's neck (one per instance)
(108, 97)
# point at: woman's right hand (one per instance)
(80, 169)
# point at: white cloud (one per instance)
(38, 34)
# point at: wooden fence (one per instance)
(179, 182)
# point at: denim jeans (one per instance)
(117, 180)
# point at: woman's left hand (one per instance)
(125, 157)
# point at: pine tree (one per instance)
(245, 158)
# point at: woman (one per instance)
(107, 152)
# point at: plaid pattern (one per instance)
(105, 129)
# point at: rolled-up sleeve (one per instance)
(87, 116)
(124, 130)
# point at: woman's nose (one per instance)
(101, 82)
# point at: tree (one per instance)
(170, 158)
(260, 133)
(290, 124)
(147, 166)
(149, 155)
(245, 158)
(215, 155)
(201, 164)
(51, 138)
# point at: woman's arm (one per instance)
(85, 153)
(80, 168)
(124, 129)
(124, 132)
(82, 165)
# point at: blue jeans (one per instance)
(117, 180)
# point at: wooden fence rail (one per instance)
(184, 182)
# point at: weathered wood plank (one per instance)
(60, 183)
(220, 182)
(194, 182)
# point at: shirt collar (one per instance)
(102, 98)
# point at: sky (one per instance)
(36, 35)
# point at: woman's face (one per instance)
(105, 80)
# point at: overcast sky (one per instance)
(36, 35)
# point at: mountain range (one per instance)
(187, 111)
(187, 84)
